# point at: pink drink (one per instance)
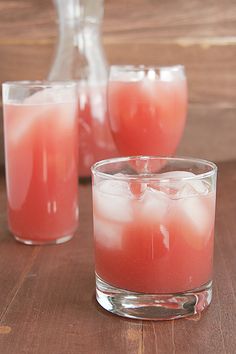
(96, 142)
(147, 109)
(41, 149)
(153, 238)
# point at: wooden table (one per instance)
(48, 306)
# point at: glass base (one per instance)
(57, 241)
(152, 306)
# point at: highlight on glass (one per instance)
(154, 233)
(41, 158)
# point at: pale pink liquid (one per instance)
(96, 142)
(151, 242)
(41, 149)
(147, 117)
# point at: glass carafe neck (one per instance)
(79, 10)
(79, 52)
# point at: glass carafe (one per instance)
(80, 56)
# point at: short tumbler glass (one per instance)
(154, 234)
(41, 158)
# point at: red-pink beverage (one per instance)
(150, 239)
(147, 109)
(154, 235)
(96, 142)
(41, 149)
(143, 245)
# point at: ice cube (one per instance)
(176, 184)
(20, 122)
(20, 176)
(58, 103)
(186, 190)
(41, 97)
(155, 204)
(177, 174)
(52, 95)
(195, 212)
(114, 187)
(26, 114)
(112, 200)
(108, 234)
(44, 104)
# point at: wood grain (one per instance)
(209, 133)
(169, 19)
(133, 19)
(53, 309)
(15, 261)
(27, 19)
(29, 62)
(35, 62)
(211, 71)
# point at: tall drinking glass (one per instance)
(41, 159)
(147, 108)
(154, 234)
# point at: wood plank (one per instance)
(32, 20)
(210, 133)
(25, 62)
(15, 262)
(54, 310)
(211, 71)
(124, 19)
(169, 19)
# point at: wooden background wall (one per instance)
(199, 34)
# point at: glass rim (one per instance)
(128, 67)
(153, 176)
(40, 83)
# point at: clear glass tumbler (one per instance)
(154, 234)
(147, 108)
(41, 159)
